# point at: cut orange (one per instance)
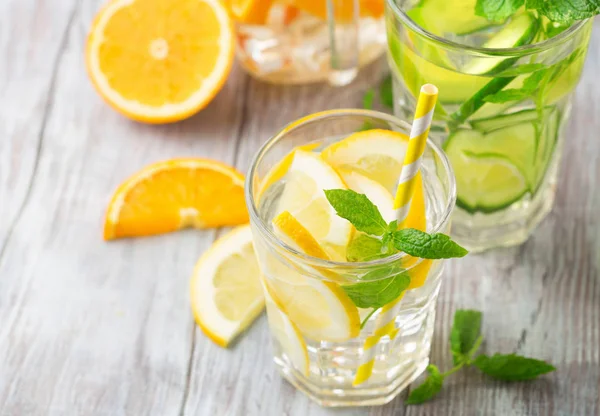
(160, 60)
(175, 194)
(250, 11)
(343, 9)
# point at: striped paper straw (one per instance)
(404, 192)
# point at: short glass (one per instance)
(323, 368)
(502, 113)
(301, 41)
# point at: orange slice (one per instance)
(250, 11)
(175, 194)
(160, 60)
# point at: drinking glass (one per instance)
(325, 368)
(301, 41)
(502, 113)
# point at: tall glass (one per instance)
(300, 41)
(325, 367)
(501, 114)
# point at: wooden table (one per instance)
(95, 328)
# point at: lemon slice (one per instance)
(378, 154)
(287, 335)
(303, 196)
(226, 293)
(280, 169)
(320, 308)
(375, 191)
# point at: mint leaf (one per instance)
(427, 246)
(357, 209)
(497, 10)
(368, 99)
(512, 367)
(364, 248)
(429, 388)
(528, 89)
(505, 96)
(521, 69)
(386, 94)
(565, 11)
(464, 334)
(377, 293)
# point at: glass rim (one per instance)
(545, 45)
(272, 239)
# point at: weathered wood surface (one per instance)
(89, 328)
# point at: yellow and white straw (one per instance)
(404, 192)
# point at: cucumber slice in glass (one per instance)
(493, 170)
(415, 71)
(519, 31)
(486, 182)
(445, 16)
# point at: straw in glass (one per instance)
(404, 192)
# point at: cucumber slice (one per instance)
(493, 170)
(487, 182)
(489, 124)
(415, 71)
(519, 31)
(443, 16)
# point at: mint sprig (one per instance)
(379, 239)
(465, 340)
(561, 11)
(365, 217)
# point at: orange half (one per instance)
(160, 60)
(176, 194)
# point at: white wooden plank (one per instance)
(32, 37)
(90, 327)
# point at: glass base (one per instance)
(513, 226)
(331, 397)
(398, 363)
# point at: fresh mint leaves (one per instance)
(465, 340)
(377, 293)
(565, 11)
(377, 239)
(357, 209)
(429, 388)
(365, 217)
(561, 11)
(497, 10)
(530, 85)
(512, 367)
(427, 246)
